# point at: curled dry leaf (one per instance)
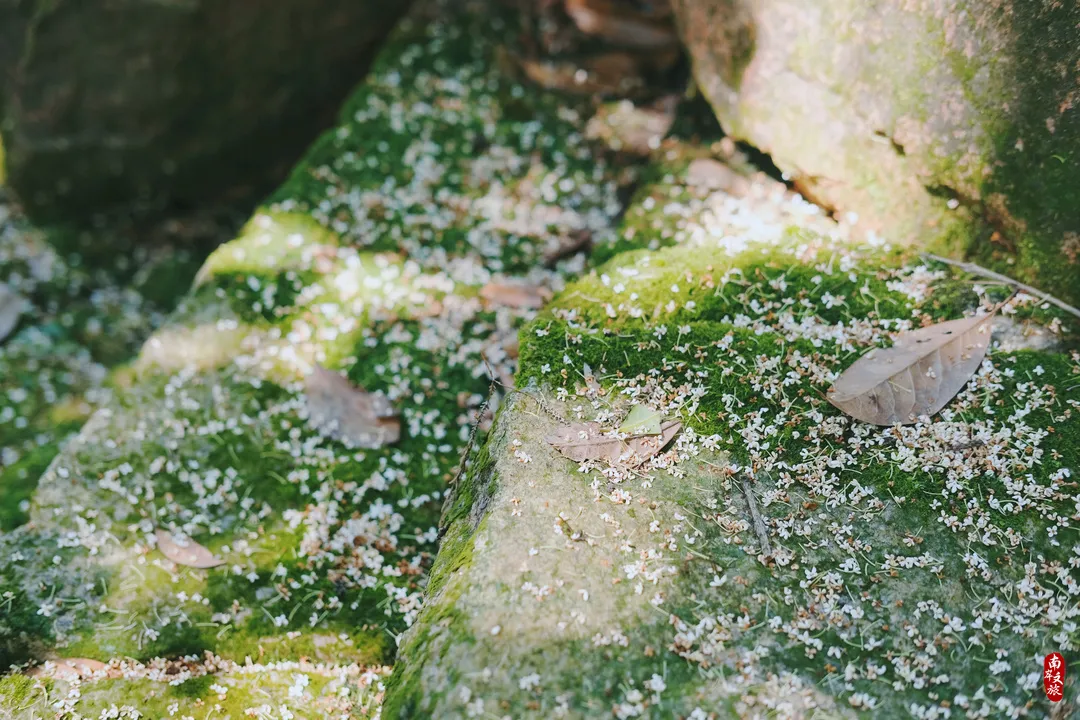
(68, 668)
(587, 441)
(917, 376)
(345, 412)
(641, 420)
(515, 295)
(190, 553)
(622, 26)
(11, 307)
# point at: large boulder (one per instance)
(939, 121)
(777, 559)
(150, 102)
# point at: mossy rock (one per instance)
(147, 104)
(442, 176)
(194, 687)
(940, 123)
(82, 315)
(778, 558)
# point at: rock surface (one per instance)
(376, 259)
(935, 120)
(174, 103)
(778, 559)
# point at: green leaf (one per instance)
(641, 420)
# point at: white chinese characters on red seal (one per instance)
(1054, 676)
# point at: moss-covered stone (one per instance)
(936, 122)
(82, 314)
(442, 176)
(196, 688)
(778, 559)
(149, 104)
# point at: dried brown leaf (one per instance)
(622, 126)
(587, 441)
(515, 295)
(11, 307)
(918, 375)
(190, 553)
(68, 668)
(622, 26)
(614, 73)
(348, 413)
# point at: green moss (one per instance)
(86, 311)
(208, 433)
(441, 623)
(1036, 150)
(303, 690)
(18, 481)
(704, 315)
(442, 627)
(17, 694)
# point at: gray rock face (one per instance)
(934, 120)
(170, 102)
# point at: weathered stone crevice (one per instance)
(978, 99)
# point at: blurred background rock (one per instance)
(150, 105)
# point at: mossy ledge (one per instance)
(326, 547)
(880, 574)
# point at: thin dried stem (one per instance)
(755, 516)
(978, 270)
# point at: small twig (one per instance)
(977, 270)
(467, 450)
(472, 435)
(755, 515)
(476, 424)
